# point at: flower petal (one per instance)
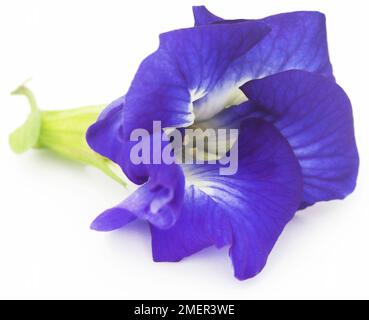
(247, 210)
(112, 219)
(161, 196)
(203, 16)
(315, 116)
(104, 137)
(188, 64)
(297, 40)
(158, 201)
(202, 223)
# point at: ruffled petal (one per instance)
(159, 201)
(202, 223)
(105, 138)
(247, 210)
(188, 65)
(160, 198)
(297, 40)
(314, 114)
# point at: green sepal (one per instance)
(26, 136)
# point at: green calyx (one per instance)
(26, 136)
(63, 132)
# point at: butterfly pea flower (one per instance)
(272, 80)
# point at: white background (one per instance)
(86, 52)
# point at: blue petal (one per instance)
(297, 40)
(203, 16)
(247, 210)
(159, 201)
(314, 114)
(112, 219)
(161, 196)
(201, 224)
(105, 138)
(188, 65)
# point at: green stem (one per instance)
(63, 132)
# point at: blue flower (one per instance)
(270, 78)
